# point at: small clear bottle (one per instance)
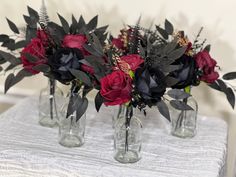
(71, 131)
(50, 100)
(183, 123)
(128, 136)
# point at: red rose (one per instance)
(118, 43)
(133, 60)
(41, 34)
(75, 41)
(36, 49)
(116, 88)
(207, 65)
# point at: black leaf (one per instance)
(207, 48)
(30, 58)
(81, 25)
(30, 33)
(74, 25)
(21, 75)
(8, 82)
(64, 23)
(42, 68)
(4, 37)
(170, 47)
(229, 76)
(101, 29)
(169, 27)
(170, 68)
(81, 76)
(75, 101)
(97, 44)
(222, 85)
(32, 23)
(98, 101)
(12, 26)
(92, 24)
(10, 44)
(12, 80)
(170, 81)
(180, 105)
(177, 53)
(86, 90)
(33, 14)
(56, 30)
(81, 22)
(2, 60)
(81, 109)
(20, 44)
(9, 67)
(91, 50)
(230, 97)
(215, 86)
(178, 94)
(10, 58)
(163, 109)
(162, 32)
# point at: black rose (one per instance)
(62, 61)
(187, 74)
(150, 84)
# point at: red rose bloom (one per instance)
(118, 43)
(41, 34)
(207, 65)
(75, 41)
(36, 49)
(116, 88)
(133, 60)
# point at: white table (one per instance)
(27, 149)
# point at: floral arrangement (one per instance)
(60, 52)
(139, 68)
(136, 68)
(145, 64)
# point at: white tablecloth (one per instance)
(27, 149)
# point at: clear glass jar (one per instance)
(128, 136)
(50, 101)
(183, 123)
(71, 132)
(118, 112)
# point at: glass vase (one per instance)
(183, 123)
(49, 102)
(118, 112)
(71, 129)
(128, 136)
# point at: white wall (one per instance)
(217, 16)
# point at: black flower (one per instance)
(150, 84)
(187, 74)
(62, 61)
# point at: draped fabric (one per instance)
(28, 149)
